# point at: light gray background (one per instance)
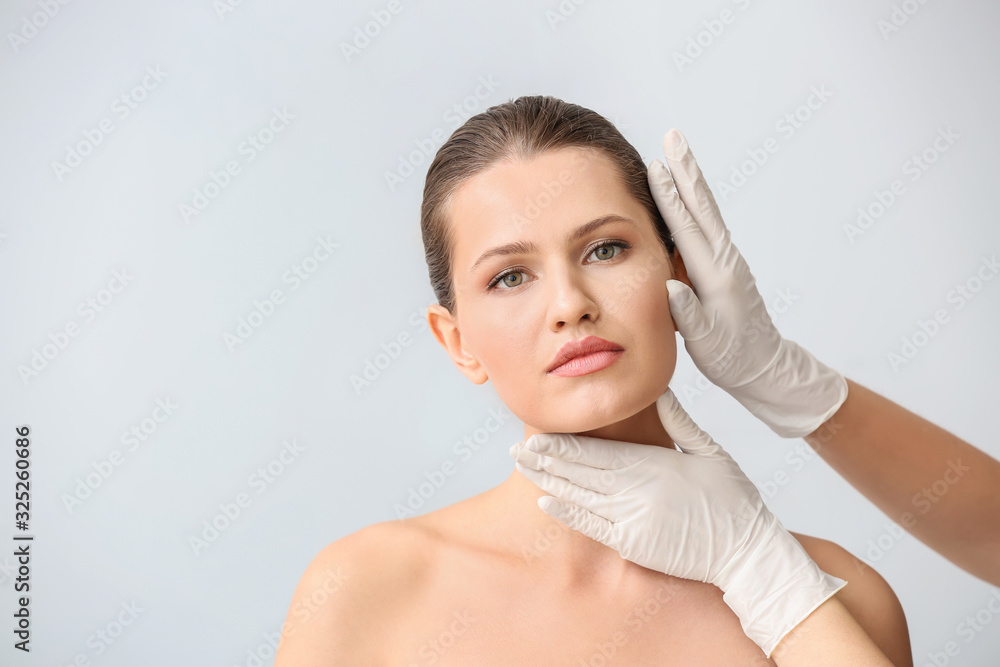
(324, 175)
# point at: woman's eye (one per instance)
(512, 274)
(603, 252)
(608, 246)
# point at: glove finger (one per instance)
(565, 490)
(682, 429)
(692, 321)
(684, 229)
(514, 449)
(584, 476)
(694, 190)
(520, 453)
(579, 519)
(594, 452)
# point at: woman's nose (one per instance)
(570, 300)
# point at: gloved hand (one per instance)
(726, 328)
(690, 514)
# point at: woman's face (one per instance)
(550, 284)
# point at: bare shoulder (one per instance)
(867, 596)
(350, 592)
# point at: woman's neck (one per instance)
(644, 427)
(544, 543)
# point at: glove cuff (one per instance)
(778, 586)
(796, 394)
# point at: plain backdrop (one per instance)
(158, 342)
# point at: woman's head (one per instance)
(539, 229)
(520, 129)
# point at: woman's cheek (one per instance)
(509, 360)
(522, 401)
(659, 323)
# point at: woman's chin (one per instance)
(622, 417)
(580, 424)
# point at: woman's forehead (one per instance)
(566, 181)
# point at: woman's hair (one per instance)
(519, 129)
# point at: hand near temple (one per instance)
(725, 324)
(891, 455)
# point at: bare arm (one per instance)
(941, 489)
(828, 636)
(341, 608)
(324, 625)
(868, 598)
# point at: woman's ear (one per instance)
(445, 329)
(680, 271)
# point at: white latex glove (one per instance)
(726, 328)
(690, 514)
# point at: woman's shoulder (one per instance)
(354, 585)
(867, 596)
(381, 555)
(378, 562)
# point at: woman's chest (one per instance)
(507, 621)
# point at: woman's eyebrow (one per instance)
(525, 247)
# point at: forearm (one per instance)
(828, 636)
(940, 488)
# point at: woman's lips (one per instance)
(589, 363)
(579, 348)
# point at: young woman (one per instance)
(541, 236)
